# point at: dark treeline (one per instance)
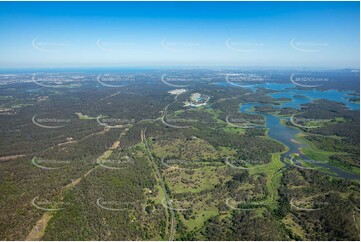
(334, 207)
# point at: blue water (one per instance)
(332, 95)
(289, 90)
(277, 131)
(285, 134)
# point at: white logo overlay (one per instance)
(306, 206)
(298, 163)
(57, 83)
(115, 79)
(245, 124)
(175, 121)
(48, 46)
(115, 205)
(300, 80)
(117, 122)
(174, 163)
(244, 205)
(111, 46)
(178, 46)
(47, 205)
(307, 46)
(38, 122)
(111, 163)
(238, 78)
(243, 164)
(44, 163)
(169, 79)
(293, 121)
(243, 46)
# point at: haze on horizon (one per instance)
(103, 34)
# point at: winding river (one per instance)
(286, 134)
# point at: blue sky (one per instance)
(120, 34)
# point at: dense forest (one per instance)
(95, 162)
